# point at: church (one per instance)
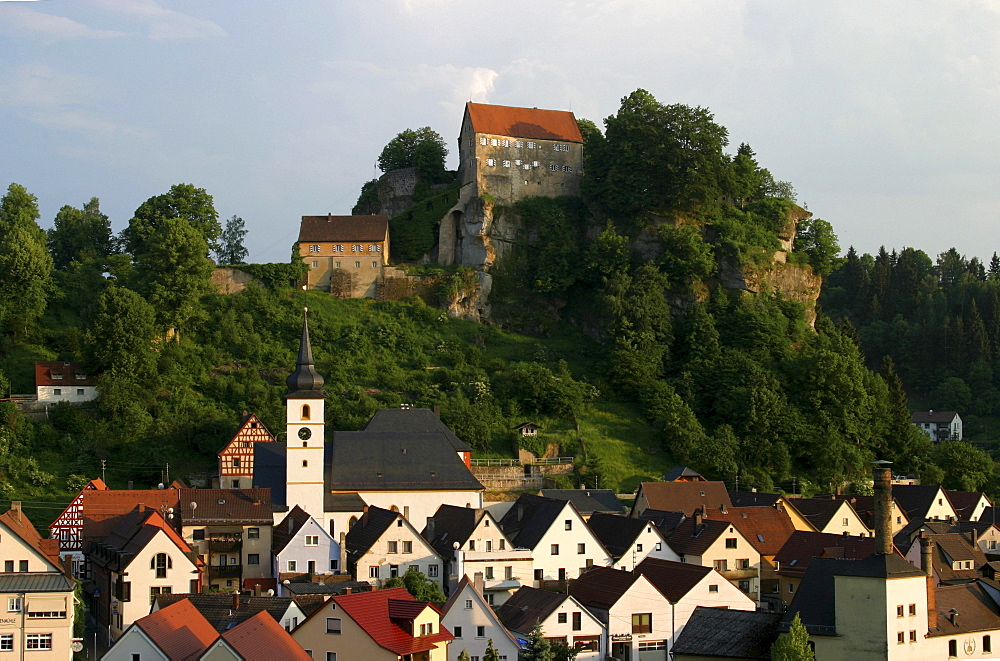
(405, 460)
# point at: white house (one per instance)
(384, 545)
(630, 541)
(939, 425)
(474, 624)
(302, 546)
(562, 617)
(59, 381)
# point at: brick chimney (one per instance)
(236, 600)
(430, 529)
(699, 515)
(15, 507)
(478, 582)
(883, 507)
(926, 563)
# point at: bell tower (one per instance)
(304, 427)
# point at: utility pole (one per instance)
(103, 464)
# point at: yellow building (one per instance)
(385, 625)
(346, 255)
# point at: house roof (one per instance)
(101, 508)
(956, 547)
(245, 422)
(672, 579)
(217, 608)
(678, 472)
(916, 499)
(933, 416)
(35, 582)
(588, 501)
(179, 630)
(814, 601)
(905, 538)
(728, 634)
(818, 511)
(602, 587)
(452, 524)
(460, 590)
(60, 373)
(684, 496)
(766, 528)
(527, 607)
(802, 546)
(132, 533)
(287, 528)
(965, 502)
(17, 522)
(199, 507)
(343, 228)
(337, 587)
(666, 522)
(369, 528)
(989, 514)
(414, 420)
(865, 507)
(691, 538)
(753, 499)
(617, 533)
(376, 612)
(977, 611)
(523, 122)
(340, 502)
(261, 637)
(530, 517)
(880, 565)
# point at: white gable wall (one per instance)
(560, 548)
(468, 612)
(134, 642)
(648, 544)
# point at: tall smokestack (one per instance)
(883, 507)
(927, 554)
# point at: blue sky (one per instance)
(882, 115)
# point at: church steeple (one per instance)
(305, 381)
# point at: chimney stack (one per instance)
(130, 484)
(342, 565)
(15, 507)
(236, 600)
(883, 507)
(974, 537)
(429, 529)
(478, 583)
(699, 515)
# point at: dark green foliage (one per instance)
(414, 233)
(418, 585)
(794, 645)
(276, 275)
(368, 202)
(423, 149)
(25, 264)
(685, 257)
(80, 236)
(182, 201)
(231, 249)
(817, 240)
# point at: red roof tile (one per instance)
(19, 524)
(684, 496)
(343, 228)
(261, 637)
(766, 528)
(59, 373)
(101, 508)
(371, 610)
(524, 122)
(803, 546)
(179, 630)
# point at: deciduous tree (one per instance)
(182, 201)
(80, 235)
(231, 249)
(794, 645)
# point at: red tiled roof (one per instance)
(524, 122)
(59, 373)
(372, 611)
(261, 637)
(343, 228)
(766, 528)
(685, 496)
(101, 508)
(19, 524)
(225, 506)
(803, 546)
(179, 630)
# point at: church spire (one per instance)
(305, 381)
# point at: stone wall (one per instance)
(232, 281)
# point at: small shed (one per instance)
(527, 429)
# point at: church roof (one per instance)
(524, 122)
(305, 381)
(414, 420)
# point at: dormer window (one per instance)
(57, 377)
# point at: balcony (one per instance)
(739, 574)
(225, 571)
(225, 544)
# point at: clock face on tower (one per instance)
(305, 433)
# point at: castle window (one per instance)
(338, 248)
(357, 247)
(494, 142)
(554, 168)
(374, 248)
(567, 168)
(527, 166)
(517, 162)
(374, 265)
(531, 145)
(491, 162)
(534, 164)
(305, 411)
(305, 463)
(313, 248)
(506, 164)
(315, 265)
(506, 143)
(337, 265)
(519, 143)
(357, 265)
(483, 141)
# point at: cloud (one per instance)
(22, 19)
(164, 24)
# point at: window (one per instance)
(567, 168)
(494, 142)
(357, 265)
(483, 141)
(374, 265)
(491, 162)
(526, 166)
(357, 247)
(14, 605)
(721, 565)
(457, 631)
(313, 248)
(253, 533)
(293, 565)
(535, 164)
(638, 548)
(480, 632)
(518, 143)
(517, 162)
(900, 637)
(503, 544)
(531, 145)
(791, 589)
(393, 571)
(913, 609)
(554, 550)
(333, 625)
(489, 573)
(305, 463)
(305, 412)
(330, 656)
(7, 642)
(338, 248)
(374, 248)
(79, 391)
(538, 574)
(642, 622)
(253, 558)
(987, 644)
(337, 265)
(568, 524)
(843, 521)
(407, 547)
(38, 641)
(506, 163)
(155, 591)
(744, 586)
(913, 635)
(561, 618)
(472, 545)
(713, 588)
(653, 646)
(581, 548)
(743, 563)
(508, 573)
(432, 571)
(312, 540)
(489, 545)
(8, 565)
(334, 564)
(393, 547)
(161, 562)
(22, 565)
(373, 571)
(730, 542)
(952, 647)
(57, 391)
(577, 621)
(554, 168)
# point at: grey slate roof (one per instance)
(617, 533)
(728, 634)
(666, 522)
(915, 499)
(363, 534)
(35, 582)
(287, 528)
(528, 606)
(678, 472)
(529, 518)
(814, 600)
(414, 420)
(753, 499)
(452, 524)
(588, 501)
(878, 565)
(336, 587)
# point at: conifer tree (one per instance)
(794, 645)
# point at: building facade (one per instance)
(345, 255)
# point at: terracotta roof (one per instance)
(684, 496)
(217, 607)
(225, 506)
(101, 508)
(795, 556)
(672, 579)
(59, 373)
(373, 612)
(965, 502)
(261, 637)
(343, 228)
(690, 538)
(524, 122)
(179, 630)
(729, 634)
(765, 528)
(602, 587)
(527, 607)
(933, 416)
(18, 523)
(977, 611)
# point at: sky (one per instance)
(883, 115)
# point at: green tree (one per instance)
(538, 648)
(491, 654)
(418, 585)
(231, 249)
(816, 238)
(182, 201)
(794, 645)
(685, 257)
(121, 335)
(965, 467)
(25, 263)
(464, 656)
(423, 149)
(19, 209)
(80, 235)
(640, 327)
(172, 272)
(368, 202)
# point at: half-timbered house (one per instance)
(236, 456)
(68, 527)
